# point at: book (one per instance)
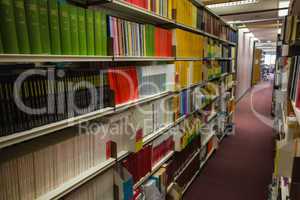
(8, 27)
(133, 39)
(99, 37)
(33, 21)
(82, 31)
(1, 44)
(73, 11)
(54, 27)
(124, 82)
(21, 27)
(65, 28)
(35, 91)
(44, 26)
(90, 32)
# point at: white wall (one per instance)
(244, 62)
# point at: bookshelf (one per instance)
(285, 108)
(106, 59)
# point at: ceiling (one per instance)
(261, 17)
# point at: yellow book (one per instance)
(170, 8)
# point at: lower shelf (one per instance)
(78, 180)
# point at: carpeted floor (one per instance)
(241, 169)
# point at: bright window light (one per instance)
(233, 3)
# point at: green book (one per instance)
(98, 33)
(54, 27)
(65, 32)
(44, 26)
(33, 22)
(1, 45)
(90, 36)
(104, 34)
(8, 27)
(74, 30)
(82, 31)
(21, 27)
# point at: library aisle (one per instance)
(242, 167)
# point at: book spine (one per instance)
(74, 30)
(90, 32)
(104, 34)
(98, 33)
(82, 31)
(1, 44)
(32, 16)
(65, 33)
(21, 27)
(54, 27)
(8, 27)
(44, 26)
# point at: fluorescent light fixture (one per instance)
(283, 4)
(269, 41)
(233, 3)
(279, 31)
(245, 30)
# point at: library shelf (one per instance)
(197, 31)
(198, 3)
(125, 9)
(133, 12)
(154, 169)
(143, 100)
(186, 165)
(141, 181)
(207, 139)
(162, 161)
(202, 59)
(191, 181)
(77, 181)
(19, 137)
(297, 111)
(142, 58)
(40, 58)
(207, 158)
(122, 155)
(152, 136)
(212, 117)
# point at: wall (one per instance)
(244, 62)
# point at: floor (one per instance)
(241, 169)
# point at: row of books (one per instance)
(294, 67)
(131, 83)
(43, 100)
(206, 47)
(159, 7)
(99, 188)
(134, 39)
(52, 27)
(69, 95)
(187, 13)
(36, 167)
(291, 29)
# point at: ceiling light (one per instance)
(283, 4)
(233, 3)
(279, 31)
(269, 41)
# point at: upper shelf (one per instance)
(41, 58)
(131, 12)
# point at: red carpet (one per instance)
(241, 169)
